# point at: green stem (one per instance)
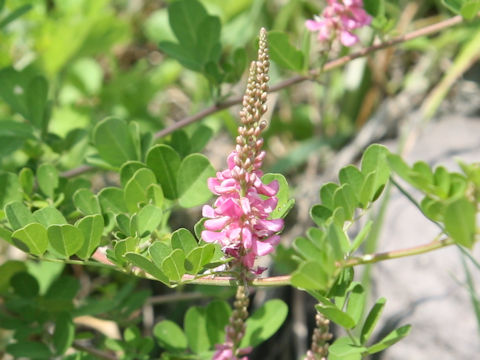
(75, 262)
(283, 280)
(396, 254)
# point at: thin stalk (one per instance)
(283, 280)
(97, 353)
(396, 254)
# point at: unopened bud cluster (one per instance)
(249, 156)
(240, 219)
(320, 338)
(235, 330)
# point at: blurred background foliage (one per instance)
(88, 59)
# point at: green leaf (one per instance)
(338, 239)
(34, 236)
(460, 222)
(49, 216)
(264, 322)
(25, 285)
(285, 202)
(199, 257)
(125, 246)
(92, 229)
(148, 219)
(136, 189)
(307, 249)
(374, 160)
(155, 195)
(13, 136)
(356, 302)
(146, 265)
(29, 350)
(320, 214)
(8, 269)
(36, 101)
(374, 7)
(128, 170)
(114, 142)
(18, 215)
(217, 317)
(343, 348)
(390, 339)
(283, 53)
(14, 15)
(398, 166)
(27, 180)
(183, 55)
(47, 177)
(345, 198)
(64, 333)
(470, 9)
(184, 18)
(336, 315)
(158, 252)
(11, 189)
(170, 336)
(208, 47)
(441, 180)
(192, 178)
(112, 200)
(66, 239)
(86, 202)
(195, 326)
(372, 319)
(173, 265)
(183, 239)
(326, 194)
(453, 5)
(165, 162)
(352, 176)
(200, 138)
(310, 276)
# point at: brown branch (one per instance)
(98, 353)
(428, 30)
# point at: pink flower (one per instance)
(225, 352)
(240, 218)
(340, 18)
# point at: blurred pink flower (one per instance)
(340, 18)
(225, 352)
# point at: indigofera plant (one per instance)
(86, 245)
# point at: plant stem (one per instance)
(396, 254)
(355, 261)
(97, 353)
(427, 30)
(282, 280)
